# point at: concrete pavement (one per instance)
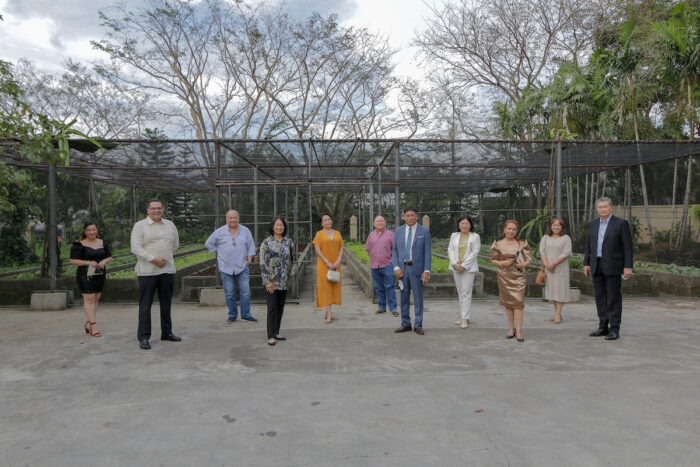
(352, 393)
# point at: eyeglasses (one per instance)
(233, 241)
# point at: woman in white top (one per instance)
(463, 250)
(555, 249)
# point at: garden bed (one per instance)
(206, 278)
(120, 286)
(441, 283)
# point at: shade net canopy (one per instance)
(438, 166)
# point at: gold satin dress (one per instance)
(511, 280)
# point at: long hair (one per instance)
(517, 227)
(552, 221)
(88, 224)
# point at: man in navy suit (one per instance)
(608, 258)
(411, 257)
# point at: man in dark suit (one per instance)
(608, 258)
(411, 257)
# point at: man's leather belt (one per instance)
(408, 263)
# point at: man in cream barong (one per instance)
(153, 242)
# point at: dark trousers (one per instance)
(147, 289)
(608, 300)
(411, 282)
(275, 308)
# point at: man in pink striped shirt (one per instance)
(379, 244)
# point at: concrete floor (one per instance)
(352, 393)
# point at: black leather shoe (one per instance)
(598, 332)
(419, 331)
(171, 338)
(280, 338)
(612, 335)
(403, 329)
(144, 344)
(250, 318)
(231, 320)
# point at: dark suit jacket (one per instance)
(421, 249)
(617, 246)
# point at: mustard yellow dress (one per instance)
(327, 293)
(511, 280)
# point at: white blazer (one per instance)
(468, 261)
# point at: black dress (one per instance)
(82, 252)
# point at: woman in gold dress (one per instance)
(512, 256)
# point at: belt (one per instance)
(408, 263)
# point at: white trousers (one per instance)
(464, 281)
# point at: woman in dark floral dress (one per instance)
(276, 256)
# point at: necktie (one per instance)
(408, 244)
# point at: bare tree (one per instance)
(168, 47)
(503, 45)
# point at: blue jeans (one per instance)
(229, 282)
(384, 283)
(411, 282)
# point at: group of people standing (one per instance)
(405, 255)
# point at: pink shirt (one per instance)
(379, 248)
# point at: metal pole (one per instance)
(134, 205)
(397, 190)
(295, 225)
(52, 226)
(255, 204)
(217, 188)
(296, 235)
(557, 178)
(360, 214)
(379, 190)
(371, 206)
(274, 199)
(629, 196)
(311, 223)
(286, 198)
(230, 203)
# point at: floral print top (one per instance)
(276, 261)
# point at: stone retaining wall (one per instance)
(440, 285)
(192, 285)
(19, 291)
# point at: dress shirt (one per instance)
(150, 240)
(379, 248)
(231, 258)
(413, 239)
(601, 235)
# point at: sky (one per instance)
(49, 31)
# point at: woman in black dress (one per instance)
(90, 254)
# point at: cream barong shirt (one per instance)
(149, 240)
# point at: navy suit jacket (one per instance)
(617, 246)
(421, 249)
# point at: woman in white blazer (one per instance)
(463, 251)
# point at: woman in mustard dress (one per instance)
(512, 256)
(329, 253)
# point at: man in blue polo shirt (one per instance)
(235, 249)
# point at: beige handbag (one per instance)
(333, 276)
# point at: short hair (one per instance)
(466, 218)
(552, 221)
(411, 208)
(271, 230)
(154, 200)
(517, 227)
(326, 214)
(88, 224)
(604, 199)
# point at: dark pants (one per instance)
(608, 299)
(147, 289)
(275, 308)
(411, 282)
